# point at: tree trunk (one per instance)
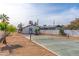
(4, 41)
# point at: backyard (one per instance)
(39, 29)
(62, 46)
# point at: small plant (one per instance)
(37, 31)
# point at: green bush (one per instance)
(11, 28)
(3, 26)
(6, 27)
(37, 31)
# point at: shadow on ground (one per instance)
(11, 47)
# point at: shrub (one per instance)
(37, 31)
(61, 31)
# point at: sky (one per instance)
(46, 13)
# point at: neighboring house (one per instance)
(27, 31)
(50, 29)
(57, 27)
(47, 27)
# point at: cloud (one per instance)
(65, 17)
(19, 12)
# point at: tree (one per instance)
(74, 24)
(30, 22)
(20, 27)
(6, 27)
(4, 18)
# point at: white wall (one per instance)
(26, 30)
(50, 31)
(69, 32)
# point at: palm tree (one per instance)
(5, 20)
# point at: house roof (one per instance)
(29, 26)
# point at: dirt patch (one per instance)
(20, 46)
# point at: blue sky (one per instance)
(47, 13)
(61, 13)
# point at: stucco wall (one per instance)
(26, 29)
